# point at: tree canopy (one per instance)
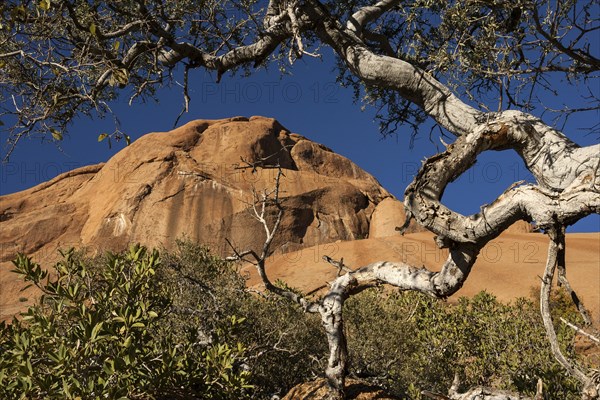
(61, 59)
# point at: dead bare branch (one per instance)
(556, 242)
(580, 331)
(338, 264)
(270, 198)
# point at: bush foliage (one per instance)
(183, 325)
(103, 332)
(409, 342)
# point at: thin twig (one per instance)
(338, 264)
(579, 330)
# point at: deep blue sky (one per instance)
(308, 102)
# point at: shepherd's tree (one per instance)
(415, 60)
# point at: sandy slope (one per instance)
(508, 267)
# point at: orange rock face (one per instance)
(389, 215)
(196, 182)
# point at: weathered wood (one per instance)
(567, 186)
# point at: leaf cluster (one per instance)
(135, 325)
(62, 58)
(101, 331)
(410, 342)
(497, 54)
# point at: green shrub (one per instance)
(100, 332)
(408, 340)
(284, 346)
(133, 326)
(185, 326)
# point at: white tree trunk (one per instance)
(567, 184)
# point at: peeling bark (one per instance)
(561, 197)
(567, 188)
(557, 242)
(590, 382)
(466, 236)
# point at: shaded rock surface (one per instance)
(355, 390)
(196, 182)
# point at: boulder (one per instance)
(389, 215)
(193, 182)
(355, 390)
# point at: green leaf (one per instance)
(93, 29)
(44, 5)
(66, 388)
(116, 45)
(29, 367)
(95, 331)
(119, 77)
(102, 136)
(56, 134)
(109, 367)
